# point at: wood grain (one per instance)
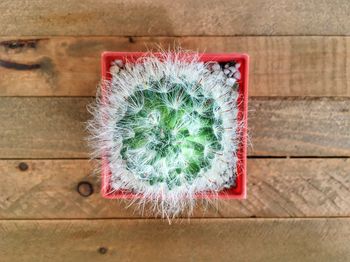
(280, 66)
(43, 127)
(276, 188)
(299, 126)
(33, 127)
(166, 17)
(204, 240)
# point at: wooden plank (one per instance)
(300, 127)
(280, 66)
(250, 240)
(33, 127)
(166, 17)
(43, 127)
(276, 188)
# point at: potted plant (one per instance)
(170, 128)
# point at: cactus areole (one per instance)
(171, 128)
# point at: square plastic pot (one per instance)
(238, 191)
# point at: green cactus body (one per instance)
(170, 137)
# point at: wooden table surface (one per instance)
(298, 205)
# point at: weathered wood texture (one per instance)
(297, 48)
(280, 66)
(300, 127)
(49, 127)
(43, 127)
(166, 17)
(276, 188)
(272, 240)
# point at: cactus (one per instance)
(167, 127)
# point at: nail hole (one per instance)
(131, 39)
(102, 250)
(85, 189)
(23, 166)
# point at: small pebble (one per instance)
(227, 65)
(238, 65)
(226, 71)
(230, 74)
(232, 69)
(118, 62)
(216, 67)
(237, 75)
(230, 81)
(219, 73)
(114, 70)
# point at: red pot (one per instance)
(237, 192)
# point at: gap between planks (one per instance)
(248, 157)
